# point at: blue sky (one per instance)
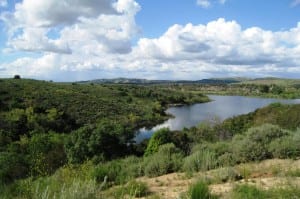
(65, 40)
(157, 15)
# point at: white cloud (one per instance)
(223, 42)
(209, 3)
(35, 39)
(109, 24)
(99, 45)
(55, 12)
(3, 3)
(295, 3)
(203, 3)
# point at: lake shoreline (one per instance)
(219, 106)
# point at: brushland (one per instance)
(75, 141)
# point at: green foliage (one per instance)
(160, 137)
(254, 145)
(247, 192)
(200, 191)
(136, 189)
(107, 139)
(12, 166)
(252, 192)
(205, 131)
(168, 159)
(201, 160)
(286, 147)
(44, 125)
(118, 171)
(238, 124)
(46, 153)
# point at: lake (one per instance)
(221, 107)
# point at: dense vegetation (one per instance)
(75, 140)
(45, 125)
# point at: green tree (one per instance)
(160, 137)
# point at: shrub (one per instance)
(160, 137)
(137, 189)
(283, 148)
(200, 190)
(106, 139)
(254, 145)
(286, 147)
(12, 166)
(205, 131)
(17, 77)
(168, 159)
(200, 161)
(46, 153)
(118, 171)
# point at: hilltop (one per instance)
(229, 80)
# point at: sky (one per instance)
(73, 40)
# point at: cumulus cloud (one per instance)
(55, 12)
(224, 42)
(100, 46)
(110, 24)
(35, 39)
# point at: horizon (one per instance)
(153, 40)
(170, 80)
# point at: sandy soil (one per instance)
(265, 175)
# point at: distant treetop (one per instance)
(17, 77)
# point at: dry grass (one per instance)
(265, 175)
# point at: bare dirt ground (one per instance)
(266, 174)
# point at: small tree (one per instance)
(17, 77)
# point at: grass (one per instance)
(133, 189)
(199, 190)
(252, 192)
(247, 192)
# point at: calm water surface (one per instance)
(221, 107)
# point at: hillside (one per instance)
(44, 125)
(71, 140)
(273, 80)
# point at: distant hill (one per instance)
(272, 80)
(146, 81)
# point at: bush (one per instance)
(205, 131)
(200, 191)
(46, 153)
(286, 147)
(168, 159)
(12, 166)
(160, 137)
(137, 189)
(254, 145)
(106, 139)
(200, 161)
(17, 77)
(118, 171)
